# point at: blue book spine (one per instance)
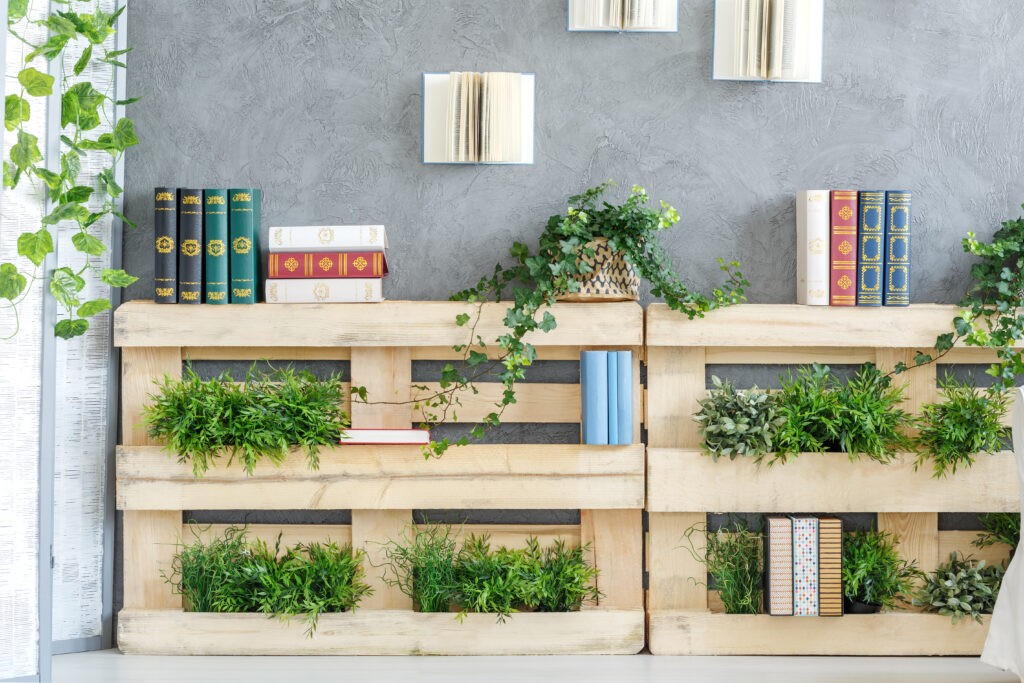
(613, 398)
(870, 232)
(897, 248)
(594, 390)
(624, 411)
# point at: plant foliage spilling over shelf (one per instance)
(260, 418)
(999, 527)
(734, 557)
(874, 573)
(233, 574)
(961, 588)
(965, 422)
(429, 565)
(82, 110)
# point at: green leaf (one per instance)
(80, 103)
(85, 242)
(90, 308)
(52, 180)
(70, 165)
(83, 61)
(111, 20)
(51, 49)
(58, 24)
(16, 10)
(124, 134)
(78, 194)
(461, 319)
(130, 100)
(16, 111)
(66, 211)
(67, 329)
(10, 180)
(35, 82)
(65, 286)
(35, 245)
(117, 278)
(109, 184)
(25, 152)
(123, 218)
(12, 283)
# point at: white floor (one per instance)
(112, 667)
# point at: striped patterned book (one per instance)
(830, 567)
(805, 566)
(779, 566)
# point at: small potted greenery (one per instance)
(734, 557)
(966, 422)
(738, 422)
(961, 588)
(999, 527)
(875, 577)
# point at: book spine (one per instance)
(613, 398)
(257, 262)
(812, 244)
(165, 267)
(778, 573)
(326, 264)
(805, 566)
(897, 251)
(190, 246)
(843, 275)
(624, 412)
(594, 381)
(352, 290)
(327, 238)
(240, 230)
(215, 233)
(870, 231)
(830, 567)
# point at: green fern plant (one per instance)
(965, 422)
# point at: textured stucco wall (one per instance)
(319, 103)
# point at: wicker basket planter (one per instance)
(613, 278)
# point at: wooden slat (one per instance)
(148, 536)
(615, 538)
(539, 476)
(291, 534)
(543, 352)
(672, 570)
(370, 530)
(675, 382)
(681, 479)
(265, 352)
(391, 323)
(382, 632)
(918, 533)
(535, 402)
(767, 325)
(705, 633)
(962, 541)
(795, 355)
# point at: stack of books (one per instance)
(803, 566)
(205, 241)
(326, 264)
(853, 248)
(606, 392)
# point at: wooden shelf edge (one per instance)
(686, 480)
(381, 632)
(906, 634)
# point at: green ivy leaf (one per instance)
(35, 245)
(51, 49)
(66, 211)
(461, 319)
(16, 111)
(59, 24)
(104, 143)
(118, 278)
(70, 165)
(12, 283)
(65, 286)
(91, 308)
(78, 194)
(130, 100)
(83, 61)
(123, 218)
(25, 152)
(80, 103)
(109, 184)
(124, 134)
(85, 242)
(66, 329)
(16, 10)
(35, 82)
(52, 180)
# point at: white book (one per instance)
(382, 437)
(812, 247)
(328, 238)
(624, 15)
(775, 40)
(324, 291)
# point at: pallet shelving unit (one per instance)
(381, 485)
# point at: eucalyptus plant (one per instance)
(961, 588)
(736, 422)
(82, 109)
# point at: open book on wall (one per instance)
(624, 15)
(478, 118)
(775, 40)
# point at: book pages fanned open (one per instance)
(624, 15)
(775, 40)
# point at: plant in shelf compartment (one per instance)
(567, 249)
(875, 577)
(999, 527)
(961, 588)
(738, 422)
(734, 557)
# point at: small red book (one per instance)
(328, 265)
(385, 437)
(843, 270)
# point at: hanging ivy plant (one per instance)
(82, 109)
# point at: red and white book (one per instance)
(385, 437)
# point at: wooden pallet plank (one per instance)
(616, 538)
(673, 572)
(687, 479)
(793, 355)
(962, 542)
(705, 633)
(535, 402)
(525, 476)
(252, 353)
(390, 323)
(568, 353)
(918, 533)
(675, 383)
(382, 632)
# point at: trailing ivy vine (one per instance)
(82, 109)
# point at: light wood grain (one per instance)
(391, 323)
(545, 352)
(962, 542)
(381, 477)
(371, 529)
(382, 632)
(675, 576)
(682, 479)
(788, 355)
(705, 633)
(251, 353)
(675, 383)
(535, 402)
(616, 538)
(918, 533)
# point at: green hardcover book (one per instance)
(257, 215)
(243, 263)
(215, 230)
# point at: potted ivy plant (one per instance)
(576, 252)
(875, 577)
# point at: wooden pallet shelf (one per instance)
(684, 485)
(380, 485)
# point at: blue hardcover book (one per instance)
(624, 411)
(594, 392)
(613, 398)
(897, 248)
(870, 231)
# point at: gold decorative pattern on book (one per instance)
(164, 244)
(190, 248)
(215, 247)
(165, 196)
(359, 263)
(241, 245)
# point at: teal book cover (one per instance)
(215, 232)
(242, 263)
